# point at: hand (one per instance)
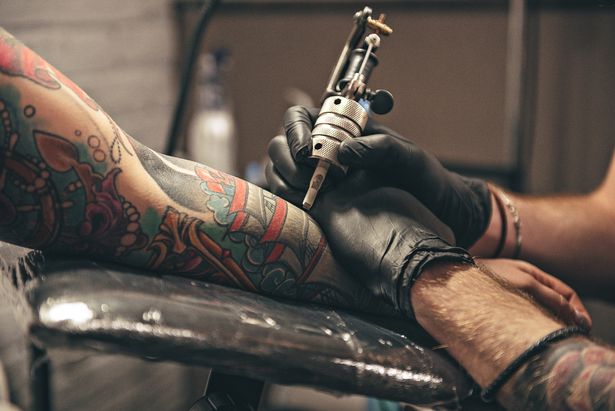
(544, 288)
(463, 204)
(383, 235)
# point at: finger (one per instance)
(582, 315)
(553, 301)
(281, 188)
(394, 156)
(583, 318)
(298, 124)
(296, 175)
(373, 151)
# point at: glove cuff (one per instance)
(427, 251)
(478, 222)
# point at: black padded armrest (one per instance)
(103, 307)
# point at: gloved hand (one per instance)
(383, 235)
(464, 204)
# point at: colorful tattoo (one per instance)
(250, 239)
(60, 193)
(18, 60)
(573, 375)
(51, 198)
(242, 239)
(117, 146)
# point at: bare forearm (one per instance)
(481, 321)
(569, 236)
(485, 325)
(573, 237)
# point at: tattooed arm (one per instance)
(72, 182)
(572, 375)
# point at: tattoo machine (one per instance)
(348, 101)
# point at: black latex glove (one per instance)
(464, 204)
(383, 235)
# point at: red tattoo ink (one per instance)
(19, 61)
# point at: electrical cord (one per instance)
(188, 72)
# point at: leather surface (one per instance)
(84, 304)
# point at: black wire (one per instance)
(187, 73)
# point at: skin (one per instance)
(482, 333)
(544, 288)
(72, 182)
(570, 235)
(573, 375)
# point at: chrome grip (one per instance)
(339, 119)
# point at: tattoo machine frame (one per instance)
(348, 101)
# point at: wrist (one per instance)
(469, 311)
(494, 388)
(421, 295)
(433, 255)
(486, 246)
(502, 238)
(560, 376)
(512, 242)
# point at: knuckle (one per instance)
(381, 141)
(531, 268)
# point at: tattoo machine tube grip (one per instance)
(339, 119)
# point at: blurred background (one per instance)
(448, 65)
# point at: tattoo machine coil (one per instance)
(347, 100)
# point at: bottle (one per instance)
(212, 131)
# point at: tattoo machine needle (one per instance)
(348, 101)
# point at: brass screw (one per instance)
(379, 26)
